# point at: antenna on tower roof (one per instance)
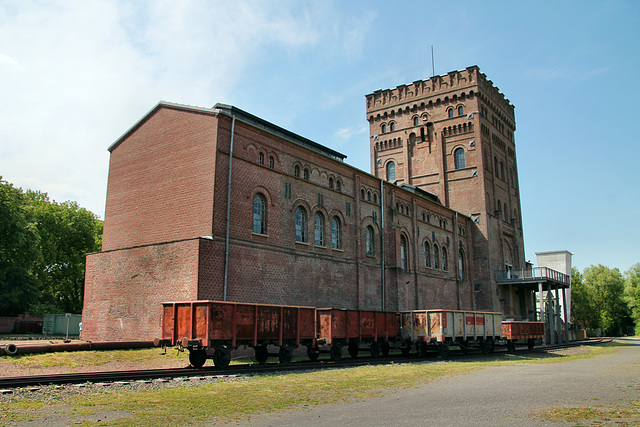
(433, 66)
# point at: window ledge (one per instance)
(302, 243)
(253, 233)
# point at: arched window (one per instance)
(436, 256)
(403, 253)
(450, 112)
(306, 174)
(416, 121)
(391, 172)
(319, 229)
(392, 126)
(338, 185)
(495, 166)
(368, 196)
(459, 158)
(369, 241)
(461, 264)
(460, 110)
(383, 128)
(261, 158)
(336, 239)
(427, 255)
(331, 183)
(271, 162)
(445, 265)
(362, 194)
(375, 198)
(296, 171)
(301, 224)
(502, 170)
(259, 214)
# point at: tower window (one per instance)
(403, 253)
(416, 121)
(459, 158)
(461, 264)
(427, 255)
(271, 162)
(391, 172)
(436, 256)
(369, 241)
(383, 128)
(450, 112)
(336, 239)
(261, 158)
(306, 174)
(460, 110)
(392, 126)
(445, 265)
(319, 229)
(301, 224)
(331, 183)
(258, 214)
(296, 171)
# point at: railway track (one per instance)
(8, 383)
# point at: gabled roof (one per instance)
(242, 115)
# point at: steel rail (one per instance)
(245, 369)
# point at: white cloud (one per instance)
(348, 132)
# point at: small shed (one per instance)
(57, 324)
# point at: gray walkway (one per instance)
(500, 396)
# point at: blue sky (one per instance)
(75, 75)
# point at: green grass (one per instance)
(622, 415)
(239, 399)
(77, 359)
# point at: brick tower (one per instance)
(453, 135)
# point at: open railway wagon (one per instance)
(337, 328)
(214, 328)
(514, 331)
(444, 328)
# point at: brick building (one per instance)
(215, 203)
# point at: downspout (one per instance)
(382, 210)
(456, 259)
(226, 239)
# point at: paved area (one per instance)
(500, 396)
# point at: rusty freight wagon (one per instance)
(214, 328)
(352, 328)
(513, 331)
(443, 328)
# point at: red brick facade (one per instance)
(165, 232)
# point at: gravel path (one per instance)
(500, 396)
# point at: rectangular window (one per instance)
(348, 208)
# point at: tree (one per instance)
(632, 293)
(42, 252)
(67, 233)
(581, 307)
(605, 287)
(18, 252)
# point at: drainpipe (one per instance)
(226, 240)
(382, 210)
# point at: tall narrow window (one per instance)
(319, 229)
(450, 112)
(336, 239)
(391, 171)
(369, 240)
(460, 110)
(427, 255)
(461, 264)
(436, 256)
(416, 121)
(495, 166)
(271, 162)
(301, 224)
(392, 126)
(338, 185)
(296, 171)
(459, 158)
(403, 253)
(331, 183)
(261, 158)
(502, 170)
(384, 128)
(445, 264)
(258, 214)
(306, 174)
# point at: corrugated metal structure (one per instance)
(62, 324)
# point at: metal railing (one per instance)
(544, 273)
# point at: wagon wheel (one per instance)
(405, 348)
(285, 354)
(421, 347)
(313, 353)
(443, 350)
(531, 342)
(492, 346)
(353, 349)
(197, 358)
(511, 346)
(485, 346)
(386, 348)
(336, 352)
(262, 354)
(375, 349)
(222, 357)
(464, 346)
